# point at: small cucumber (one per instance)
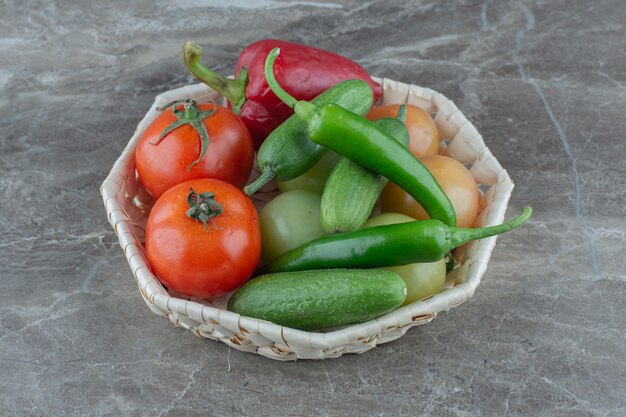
(315, 178)
(287, 152)
(352, 190)
(320, 299)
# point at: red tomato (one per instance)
(454, 179)
(423, 133)
(198, 260)
(229, 154)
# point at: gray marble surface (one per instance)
(545, 82)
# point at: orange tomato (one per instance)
(455, 180)
(201, 260)
(423, 133)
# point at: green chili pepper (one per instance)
(388, 245)
(361, 141)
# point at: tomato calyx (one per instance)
(203, 208)
(188, 115)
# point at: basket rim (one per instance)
(395, 323)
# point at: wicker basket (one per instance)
(127, 206)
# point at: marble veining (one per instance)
(519, 37)
(544, 83)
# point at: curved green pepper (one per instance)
(361, 141)
(388, 245)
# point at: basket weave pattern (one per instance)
(127, 206)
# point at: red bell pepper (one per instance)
(303, 71)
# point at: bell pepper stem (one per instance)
(233, 90)
(460, 236)
(303, 109)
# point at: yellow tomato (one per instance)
(422, 279)
(423, 133)
(454, 179)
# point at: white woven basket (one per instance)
(127, 206)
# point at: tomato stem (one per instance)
(450, 262)
(203, 207)
(401, 116)
(188, 115)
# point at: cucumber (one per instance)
(352, 190)
(315, 178)
(287, 152)
(320, 299)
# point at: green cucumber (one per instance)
(288, 152)
(352, 190)
(320, 299)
